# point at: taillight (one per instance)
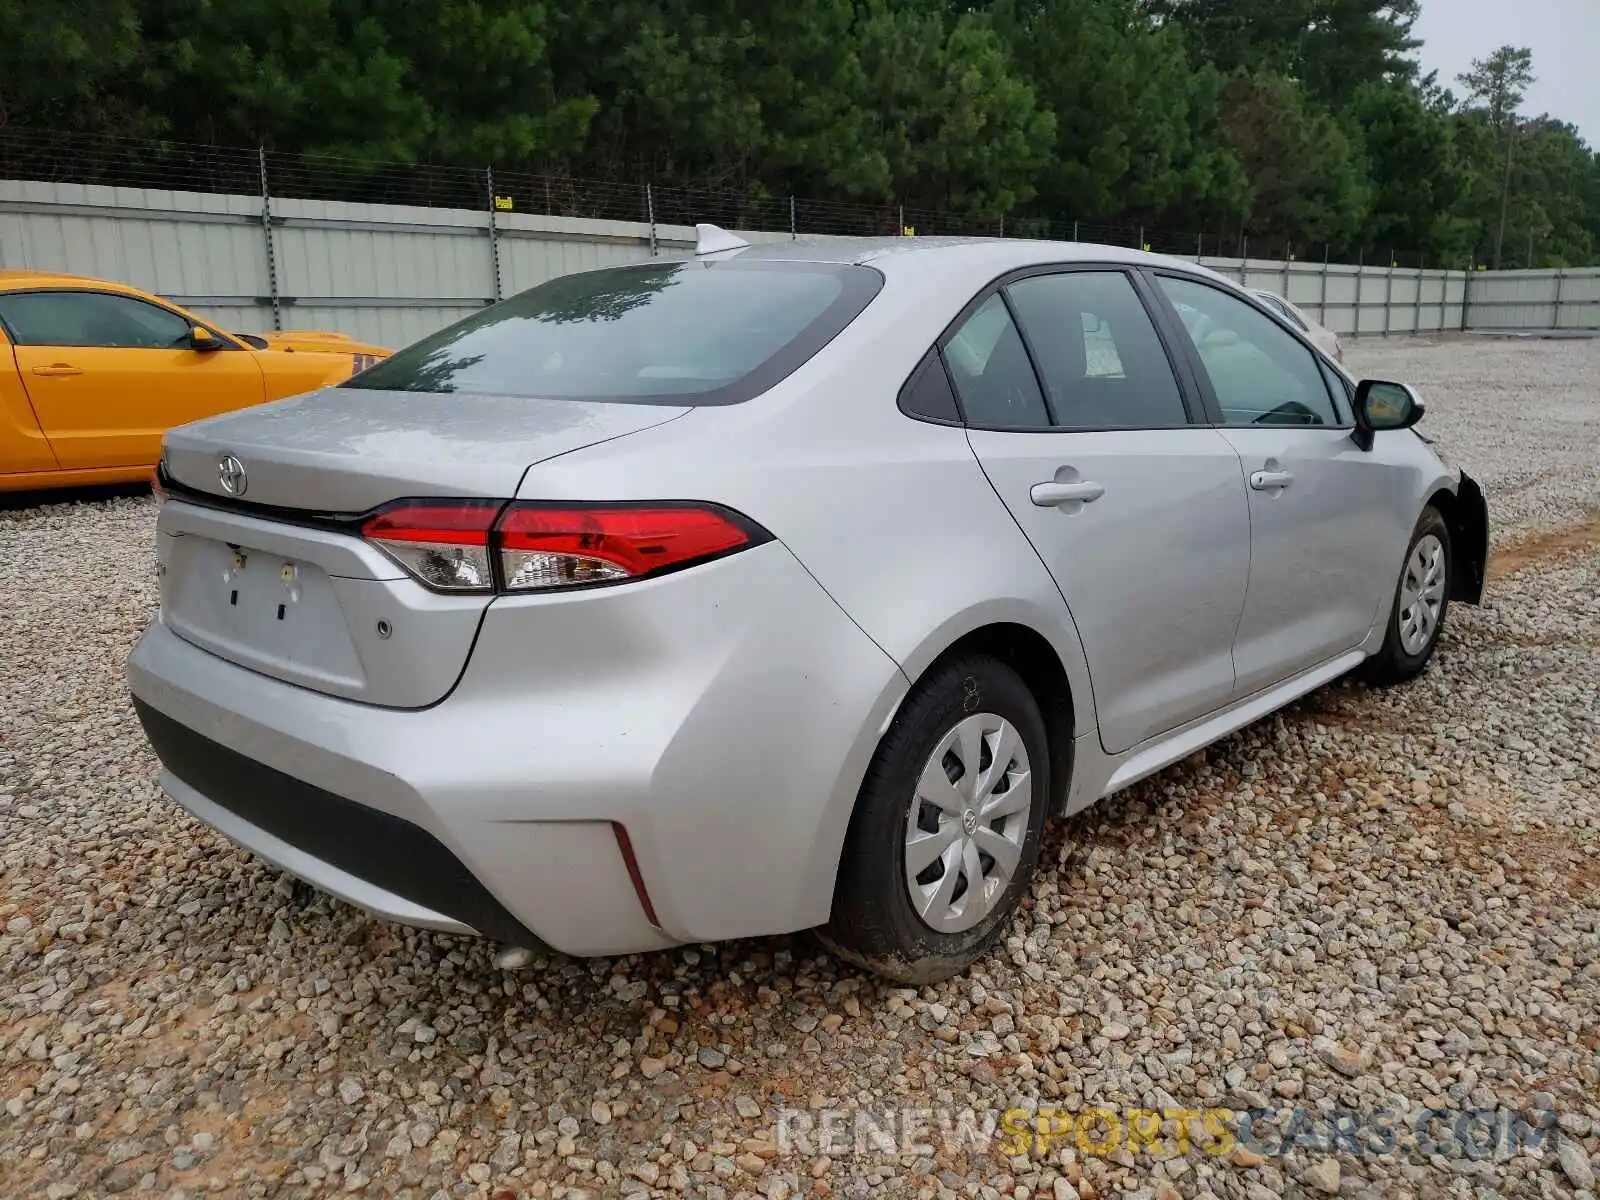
(555, 546)
(444, 543)
(456, 546)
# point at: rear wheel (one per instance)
(947, 827)
(1422, 597)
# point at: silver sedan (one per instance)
(1321, 337)
(784, 587)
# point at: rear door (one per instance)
(108, 374)
(1138, 512)
(1321, 541)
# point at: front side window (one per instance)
(663, 333)
(992, 375)
(91, 319)
(1098, 352)
(1261, 374)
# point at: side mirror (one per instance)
(201, 338)
(1381, 405)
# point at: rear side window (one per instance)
(991, 372)
(664, 333)
(1102, 362)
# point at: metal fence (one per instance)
(49, 156)
(393, 272)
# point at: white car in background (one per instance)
(1325, 339)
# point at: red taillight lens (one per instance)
(454, 545)
(555, 546)
(445, 544)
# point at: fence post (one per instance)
(1466, 295)
(1244, 260)
(1074, 231)
(1361, 277)
(650, 214)
(266, 233)
(1388, 292)
(1416, 319)
(793, 236)
(1561, 277)
(1199, 246)
(494, 235)
(1288, 257)
(1322, 302)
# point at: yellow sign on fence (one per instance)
(503, 204)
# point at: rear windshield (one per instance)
(663, 333)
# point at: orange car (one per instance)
(93, 373)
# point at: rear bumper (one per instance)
(361, 854)
(723, 716)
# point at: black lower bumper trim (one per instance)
(384, 850)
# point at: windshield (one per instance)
(662, 333)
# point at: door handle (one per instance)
(1050, 494)
(1270, 481)
(58, 369)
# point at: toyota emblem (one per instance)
(230, 473)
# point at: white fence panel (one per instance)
(392, 273)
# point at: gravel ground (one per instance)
(1376, 902)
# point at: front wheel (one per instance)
(947, 827)
(1422, 596)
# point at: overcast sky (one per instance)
(1564, 36)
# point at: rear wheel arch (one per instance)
(924, 930)
(1031, 655)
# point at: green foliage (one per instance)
(1127, 103)
(1500, 81)
(1331, 46)
(1305, 172)
(1299, 122)
(958, 127)
(66, 63)
(1418, 175)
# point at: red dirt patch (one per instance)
(1540, 547)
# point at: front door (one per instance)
(1139, 514)
(109, 374)
(1321, 537)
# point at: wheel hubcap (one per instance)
(967, 823)
(1422, 595)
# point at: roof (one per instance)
(28, 278)
(1014, 251)
(954, 261)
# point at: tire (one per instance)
(965, 707)
(1402, 655)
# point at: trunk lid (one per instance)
(270, 578)
(345, 450)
